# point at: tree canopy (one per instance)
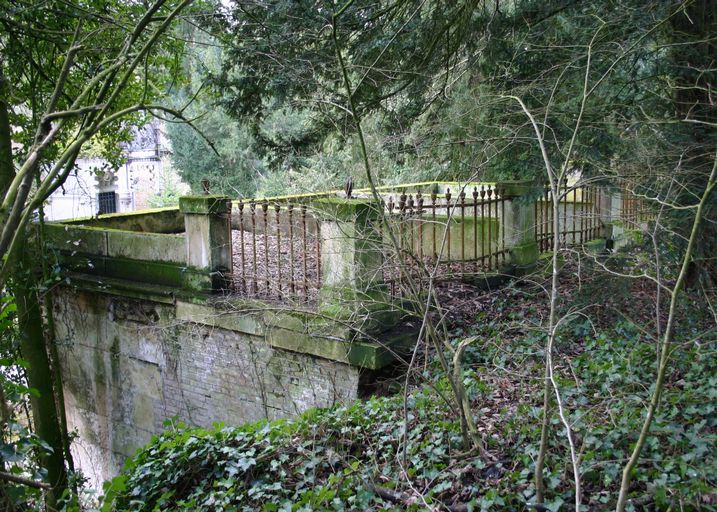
(70, 72)
(435, 81)
(617, 89)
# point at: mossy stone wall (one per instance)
(129, 364)
(157, 220)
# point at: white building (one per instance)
(94, 187)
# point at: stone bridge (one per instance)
(147, 331)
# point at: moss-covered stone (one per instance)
(524, 256)
(156, 220)
(196, 280)
(357, 353)
(207, 238)
(248, 322)
(147, 246)
(155, 247)
(166, 274)
(122, 287)
(371, 311)
(515, 188)
(204, 205)
(302, 332)
(285, 320)
(356, 210)
(76, 239)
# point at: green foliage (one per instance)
(327, 460)
(20, 448)
(286, 53)
(604, 375)
(280, 76)
(35, 41)
(236, 168)
(170, 191)
(334, 459)
(215, 146)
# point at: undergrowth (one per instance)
(352, 457)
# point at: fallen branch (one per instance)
(400, 498)
(24, 481)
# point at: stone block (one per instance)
(147, 246)
(200, 363)
(155, 220)
(524, 256)
(204, 205)
(76, 239)
(359, 211)
(239, 321)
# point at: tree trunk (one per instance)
(7, 171)
(39, 376)
(52, 351)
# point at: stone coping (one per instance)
(157, 220)
(153, 247)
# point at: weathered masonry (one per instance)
(220, 312)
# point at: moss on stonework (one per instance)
(195, 280)
(137, 270)
(524, 254)
(335, 208)
(110, 216)
(515, 188)
(154, 247)
(206, 205)
(306, 332)
(146, 246)
(157, 220)
(353, 352)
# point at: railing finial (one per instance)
(349, 186)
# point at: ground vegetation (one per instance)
(350, 457)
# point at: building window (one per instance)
(108, 202)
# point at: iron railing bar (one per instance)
(292, 284)
(255, 275)
(304, 252)
(277, 210)
(265, 210)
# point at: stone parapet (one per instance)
(208, 240)
(519, 223)
(352, 258)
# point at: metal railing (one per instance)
(448, 236)
(578, 216)
(276, 242)
(276, 250)
(634, 209)
(446, 233)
